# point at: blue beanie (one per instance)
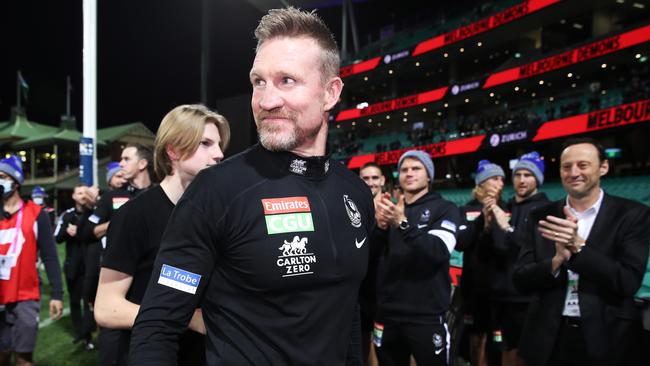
(13, 167)
(423, 157)
(38, 191)
(112, 168)
(487, 170)
(532, 162)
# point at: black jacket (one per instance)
(413, 283)
(274, 248)
(505, 248)
(73, 266)
(611, 267)
(473, 241)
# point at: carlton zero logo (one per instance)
(295, 259)
(287, 215)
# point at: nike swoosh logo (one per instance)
(438, 351)
(359, 244)
(421, 226)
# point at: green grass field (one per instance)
(54, 346)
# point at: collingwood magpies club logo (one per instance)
(353, 211)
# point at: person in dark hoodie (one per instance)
(474, 240)
(413, 282)
(509, 305)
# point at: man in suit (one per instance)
(583, 258)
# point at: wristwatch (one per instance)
(404, 224)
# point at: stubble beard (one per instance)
(273, 139)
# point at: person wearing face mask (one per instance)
(38, 197)
(189, 139)
(25, 232)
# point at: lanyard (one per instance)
(19, 224)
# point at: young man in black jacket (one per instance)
(583, 258)
(509, 305)
(413, 283)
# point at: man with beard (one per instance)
(509, 305)
(271, 244)
(583, 258)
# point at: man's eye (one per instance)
(257, 82)
(287, 80)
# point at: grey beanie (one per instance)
(487, 170)
(423, 157)
(533, 163)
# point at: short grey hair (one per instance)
(292, 22)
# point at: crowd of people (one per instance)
(279, 255)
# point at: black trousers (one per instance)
(83, 320)
(91, 272)
(570, 349)
(428, 343)
(113, 347)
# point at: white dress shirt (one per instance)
(585, 223)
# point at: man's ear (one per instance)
(604, 167)
(333, 91)
(142, 164)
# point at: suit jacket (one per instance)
(611, 267)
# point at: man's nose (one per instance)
(270, 98)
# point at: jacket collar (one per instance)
(313, 167)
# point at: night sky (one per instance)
(149, 53)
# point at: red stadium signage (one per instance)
(359, 67)
(470, 30)
(456, 147)
(584, 53)
(606, 118)
(483, 25)
(393, 104)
